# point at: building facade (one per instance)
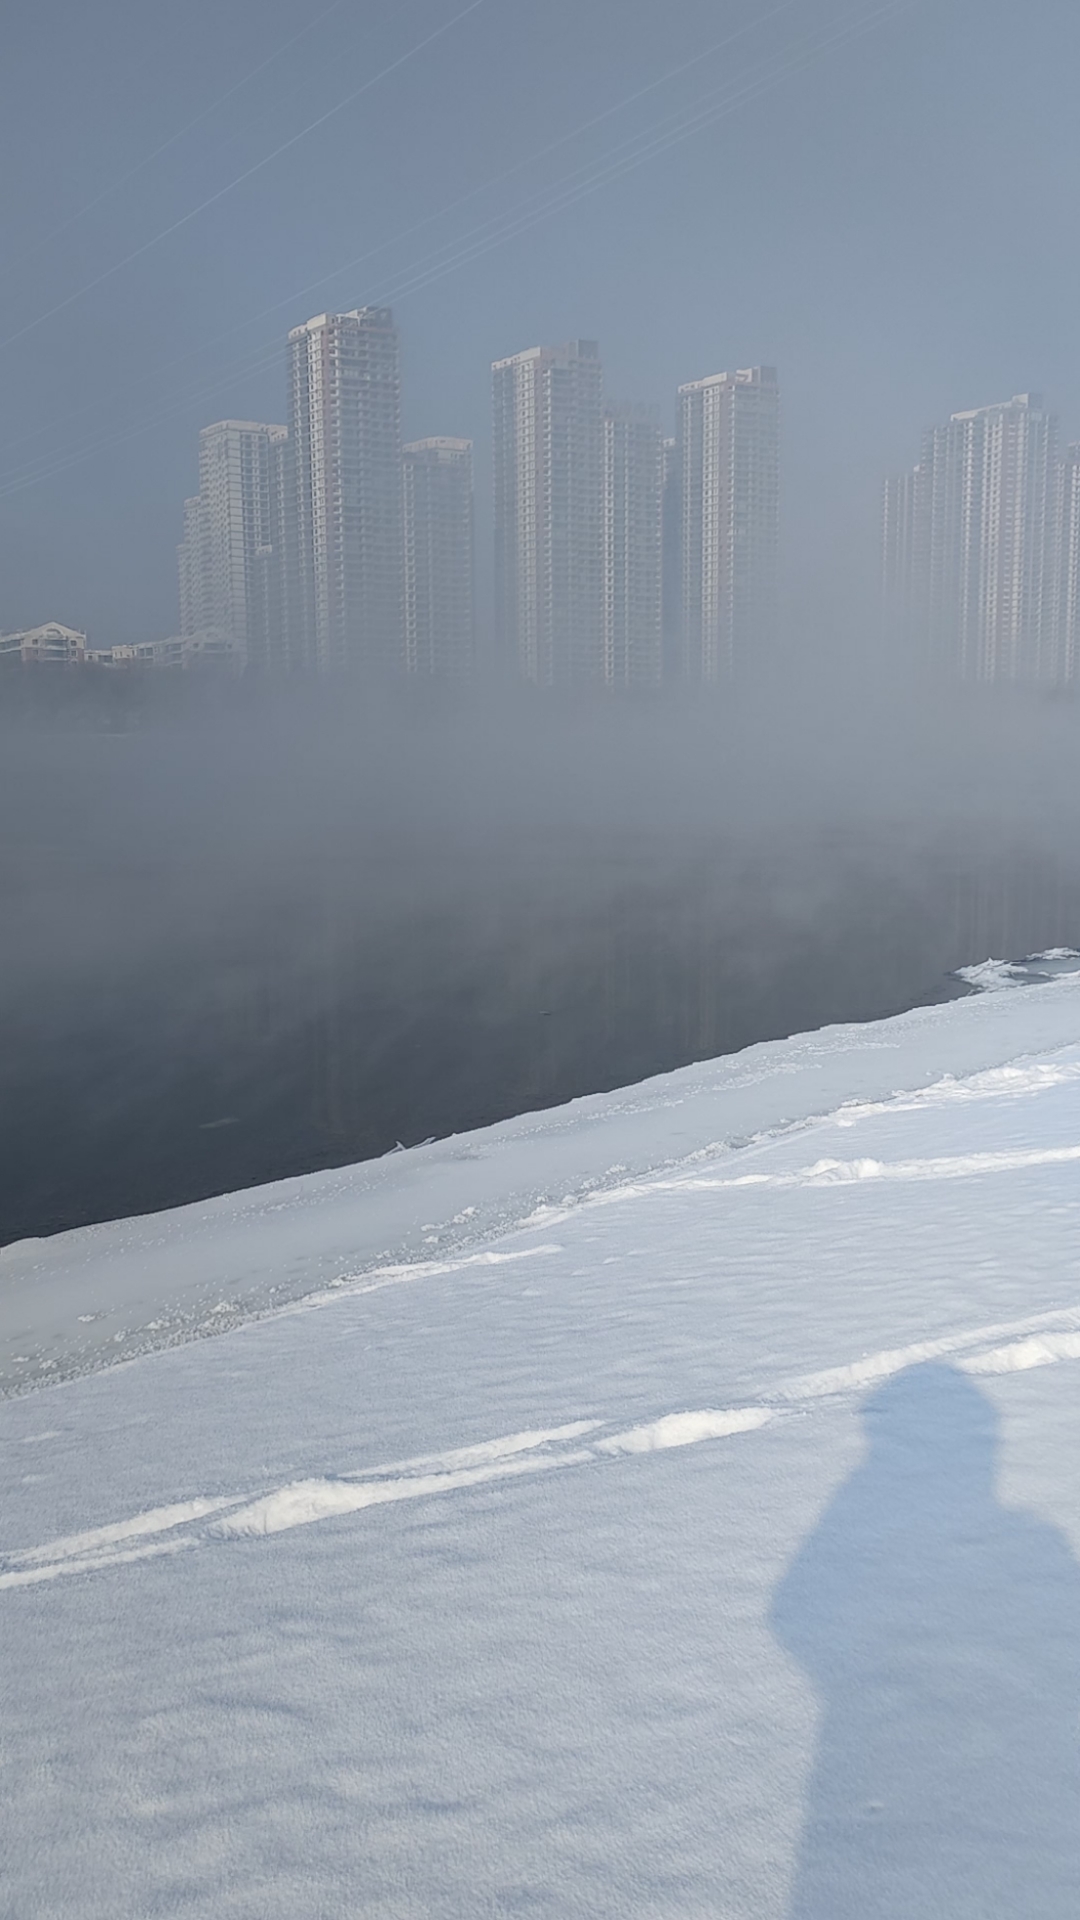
(51, 644)
(1066, 665)
(633, 635)
(729, 486)
(972, 547)
(232, 557)
(902, 558)
(346, 537)
(672, 562)
(549, 512)
(438, 542)
(189, 561)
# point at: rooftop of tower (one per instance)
(1032, 401)
(742, 377)
(381, 316)
(571, 350)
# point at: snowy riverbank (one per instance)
(669, 1506)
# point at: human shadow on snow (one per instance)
(941, 1633)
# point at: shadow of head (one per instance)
(931, 1423)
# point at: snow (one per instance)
(992, 976)
(666, 1506)
(85, 1299)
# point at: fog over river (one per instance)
(258, 934)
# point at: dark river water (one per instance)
(220, 965)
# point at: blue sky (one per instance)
(880, 200)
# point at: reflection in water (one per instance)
(294, 932)
(410, 989)
(942, 1636)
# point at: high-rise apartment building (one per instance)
(633, 636)
(1066, 666)
(729, 485)
(671, 594)
(972, 544)
(549, 512)
(438, 531)
(902, 558)
(346, 537)
(189, 565)
(231, 559)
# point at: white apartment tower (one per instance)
(902, 558)
(190, 567)
(438, 529)
(231, 559)
(672, 561)
(1067, 648)
(549, 512)
(633, 635)
(729, 505)
(971, 546)
(346, 564)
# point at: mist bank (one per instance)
(257, 931)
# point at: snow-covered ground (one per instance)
(668, 1506)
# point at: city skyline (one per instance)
(332, 546)
(980, 541)
(102, 404)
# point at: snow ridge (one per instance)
(1010, 1347)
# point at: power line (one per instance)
(624, 157)
(248, 174)
(574, 187)
(181, 133)
(417, 226)
(620, 160)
